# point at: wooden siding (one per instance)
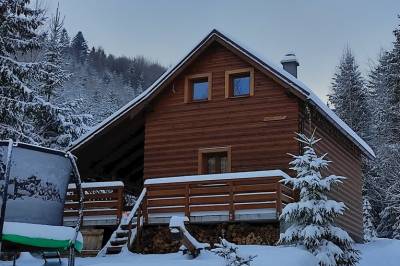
(175, 131)
(346, 161)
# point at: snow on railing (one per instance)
(213, 177)
(99, 184)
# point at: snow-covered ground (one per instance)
(380, 252)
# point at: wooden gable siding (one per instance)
(259, 129)
(346, 161)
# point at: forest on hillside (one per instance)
(102, 82)
(55, 88)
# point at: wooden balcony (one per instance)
(240, 196)
(103, 203)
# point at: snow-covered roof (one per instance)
(214, 177)
(278, 71)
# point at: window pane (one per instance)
(200, 90)
(224, 165)
(211, 165)
(241, 85)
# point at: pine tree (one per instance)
(18, 36)
(24, 113)
(79, 48)
(383, 172)
(56, 75)
(64, 42)
(311, 219)
(393, 81)
(349, 96)
(369, 229)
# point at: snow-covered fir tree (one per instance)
(25, 113)
(54, 46)
(389, 225)
(18, 36)
(383, 172)
(230, 253)
(311, 220)
(369, 228)
(348, 95)
(79, 48)
(64, 41)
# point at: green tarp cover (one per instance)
(42, 242)
(41, 236)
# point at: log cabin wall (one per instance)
(259, 129)
(346, 161)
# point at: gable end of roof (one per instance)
(279, 72)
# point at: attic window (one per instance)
(198, 88)
(239, 83)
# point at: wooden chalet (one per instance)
(210, 140)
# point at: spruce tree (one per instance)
(311, 220)
(369, 229)
(383, 172)
(56, 75)
(18, 36)
(64, 42)
(349, 96)
(79, 48)
(25, 114)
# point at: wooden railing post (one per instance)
(120, 191)
(138, 229)
(187, 201)
(129, 235)
(231, 202)
(278, 197)
(145, 212)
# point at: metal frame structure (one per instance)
(76, 179)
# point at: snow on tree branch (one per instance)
(311, 220)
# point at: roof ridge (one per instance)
(266, 63)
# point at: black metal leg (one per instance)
(44, 258)
(59, 257)
(14, 259)
(71, 258)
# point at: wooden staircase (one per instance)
(126, 232)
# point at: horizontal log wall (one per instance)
(346, 161)
(175, 131)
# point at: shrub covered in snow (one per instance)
(311, 219)
(229, 252)
(369, 229)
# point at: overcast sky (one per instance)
(317, 31)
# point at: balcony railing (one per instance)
(236, 196)
(103, 203)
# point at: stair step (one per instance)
(125, 226)
(119, 241)
(122, 233)
(114, 249)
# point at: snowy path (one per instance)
(381, 252)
